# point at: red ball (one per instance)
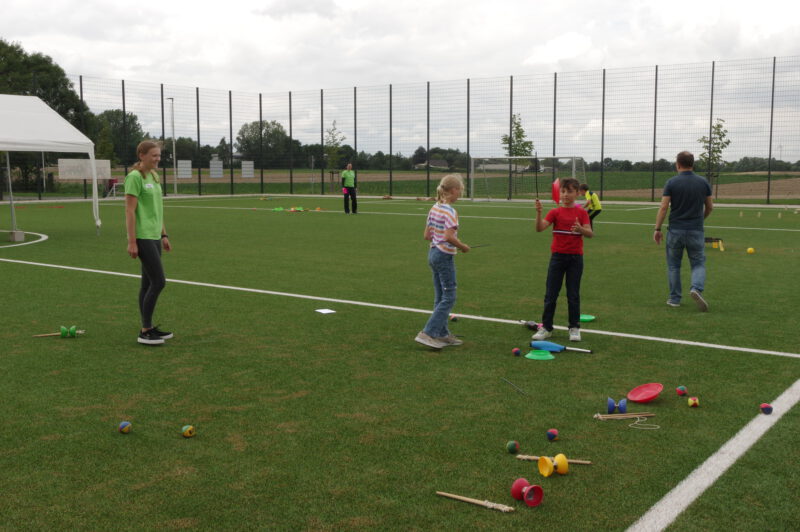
(552, 434)
(681, 390)
(516, 352)
(766, 408)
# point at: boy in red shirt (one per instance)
(570, 224)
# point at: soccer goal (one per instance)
(521, 177)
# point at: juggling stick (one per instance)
(479, 246)
(556, 348)
(631, 415)
(536, 459)
(485, 504)
(79, 331)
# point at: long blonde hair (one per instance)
(448, 183)
(142, 149)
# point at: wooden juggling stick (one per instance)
(569, 460)
(79, 331)
(485, 504)
(629, 415)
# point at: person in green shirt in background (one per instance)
(144, 222)
(349, 189)
(592, 205)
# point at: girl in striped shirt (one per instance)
(441, 230)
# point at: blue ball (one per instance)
(124, 427)
(766, 408)
(552, 434)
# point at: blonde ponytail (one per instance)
(448, 183)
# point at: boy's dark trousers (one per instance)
(569, 266)
(592, 215)
(349, 198)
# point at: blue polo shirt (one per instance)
(687, 192)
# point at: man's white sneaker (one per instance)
(671, 303)
(542, 333)
(574, 334)
(425, 339)
(698, 298)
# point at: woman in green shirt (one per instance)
(144, 221)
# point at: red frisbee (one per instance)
(645, 393)
(556, 190)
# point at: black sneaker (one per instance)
(163, 334)
(150, 337)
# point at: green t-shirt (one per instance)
(348, 178)
(149, 208)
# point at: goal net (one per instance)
(521, 177)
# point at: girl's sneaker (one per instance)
(163, 334)
(542, 334)
(574, 334)
(150, 338)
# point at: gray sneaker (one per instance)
(542, 334)
(671, 303)
(451, 339)
(425, 339)
(574, 334)
(698, 298)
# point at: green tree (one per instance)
(104, 146)
(124, 146)
(37, 75)
(517, 144)
(713, 148)
(275, 143)
(333, 141)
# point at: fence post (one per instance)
(555, 101)
(199, 166)
(230, 126)
(391, 181)
(428, 142)
(603, 137)
(124, 137)
(291, 148)
(261, 141)
(469, 157)
(321, 142)
(711, 131)
(163, 139)
(510, 129)
(653, 165)
(771, 112)
(355, 134)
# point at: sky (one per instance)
(276, 46)
(281, 45)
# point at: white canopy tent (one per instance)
(29, 124)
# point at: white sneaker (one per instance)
(698, 298)
(574, 334)
(671, 303)
(542, 333)
(425, 339)
(451, 339)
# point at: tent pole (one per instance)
(11, 196)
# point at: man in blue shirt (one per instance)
(687, 196)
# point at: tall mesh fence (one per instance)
(626, 124)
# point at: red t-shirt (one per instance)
(564, 240)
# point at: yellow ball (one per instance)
(694, 402)
(751, 251)
(188, 431)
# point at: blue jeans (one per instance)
(563, 266)
(694, 243)
(443, 266)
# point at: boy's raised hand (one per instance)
(538, 205)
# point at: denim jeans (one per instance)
(443, 266)
(563, 265)
(694, 243)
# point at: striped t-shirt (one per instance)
(442, 217)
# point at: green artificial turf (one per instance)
(341, 421)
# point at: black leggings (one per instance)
(153, 280)
(351, 196)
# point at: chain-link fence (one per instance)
(627, 125)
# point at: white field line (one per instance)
(41, 238)
(409, 309)
(648, 224)
(665, 511)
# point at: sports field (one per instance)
(311, 421)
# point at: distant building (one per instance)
(438, 164)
